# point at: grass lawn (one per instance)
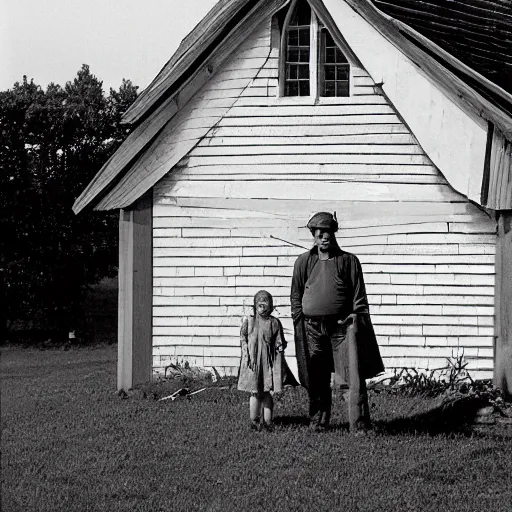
(70, 443)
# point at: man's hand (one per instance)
(351, 319)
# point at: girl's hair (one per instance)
(263, 294)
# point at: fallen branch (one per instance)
(180, 392)
(198, 391)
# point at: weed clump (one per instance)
(455, 400)
(452, 379)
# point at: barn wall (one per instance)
(226, 218)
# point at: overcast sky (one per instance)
(49, 40)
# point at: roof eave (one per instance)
(395, 32)
(194, 48)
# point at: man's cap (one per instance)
(323, 220)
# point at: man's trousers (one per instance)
(332, 347)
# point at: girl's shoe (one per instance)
(318, 427)
(256, 425)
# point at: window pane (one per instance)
(292, 73)
(341, 88)
(293, 37)
(304, 88)
(329, 55)
(329, 41)
(304, 36)
(341, 73)
(330, 73)
(291, 89)
(302, 14)
(304, 71)
(293, 55)
(340, 57)
(329, 89)
(304, 55)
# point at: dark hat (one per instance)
(323, 220)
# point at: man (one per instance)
(331, 320)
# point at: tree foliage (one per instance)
(52, 143)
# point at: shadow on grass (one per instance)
(303, 422)
(457, 417)
(292, 421)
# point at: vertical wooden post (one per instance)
(135, 294)
(503, 349)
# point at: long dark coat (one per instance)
(349, 269)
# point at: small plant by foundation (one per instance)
(451, 392)
(183, 370)
(452, 378)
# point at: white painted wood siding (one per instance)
(454, 136)
(227, 215)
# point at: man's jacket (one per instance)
(349, 270)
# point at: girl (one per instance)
(262, 368)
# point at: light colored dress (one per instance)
(262, 342)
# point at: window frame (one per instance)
(297, 64)
(323, 31)
(315, 71)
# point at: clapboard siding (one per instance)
(228, 218)
(185, 129)
(402, 178)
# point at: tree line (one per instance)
(52, 143)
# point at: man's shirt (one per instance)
(348, 270)
(325, 293)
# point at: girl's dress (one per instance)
(262, 340)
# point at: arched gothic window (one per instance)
(312, 64)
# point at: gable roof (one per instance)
(185, 73)
(477, 32)
(472, 38)
(165, 96)
(193, 49)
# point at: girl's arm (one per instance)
(244, 342)
(280, 341)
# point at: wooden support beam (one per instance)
(503, 352)
(135, 294)
(487, 165)
(499, 195)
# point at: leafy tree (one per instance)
(51, 145)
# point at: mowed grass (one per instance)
(70, 443)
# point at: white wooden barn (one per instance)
(272, 110)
